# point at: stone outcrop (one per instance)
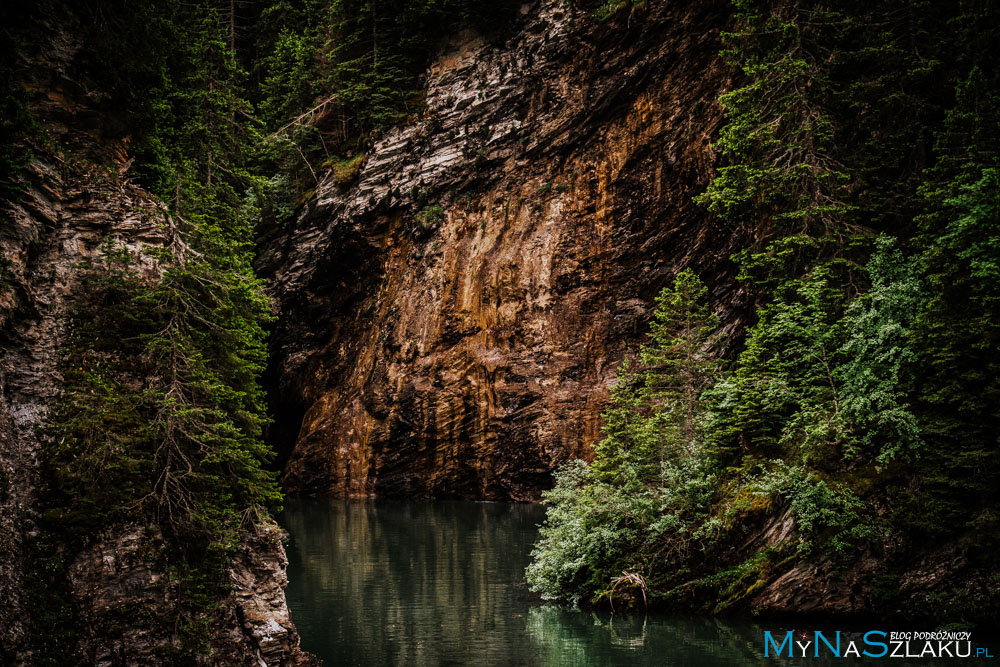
(450, 323)
(77, 197)
(127, 600)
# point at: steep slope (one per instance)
(78, 197)
(450, 323)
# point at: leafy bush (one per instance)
(816, 507)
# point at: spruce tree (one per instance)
(679, 360)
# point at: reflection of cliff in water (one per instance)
(411, 583)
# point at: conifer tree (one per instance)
(680, 365)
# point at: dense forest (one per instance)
(860, 155)
(861, 150)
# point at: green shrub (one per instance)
(346, 171)
(429, 218)
(837, 515)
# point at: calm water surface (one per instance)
(442, 583)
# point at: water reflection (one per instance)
(442, 583)
(410, 583)
(572, 637)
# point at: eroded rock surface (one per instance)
(128, 600)
(451, 322)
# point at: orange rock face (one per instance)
(450, 324)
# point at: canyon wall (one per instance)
(450, 323)
(77, 197)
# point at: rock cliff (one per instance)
(77, 197)
(450, 322)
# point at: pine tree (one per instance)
(779, 136)
(679, 362)
(159, 422)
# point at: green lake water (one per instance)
(442, 583)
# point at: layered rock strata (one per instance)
(451, 322)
